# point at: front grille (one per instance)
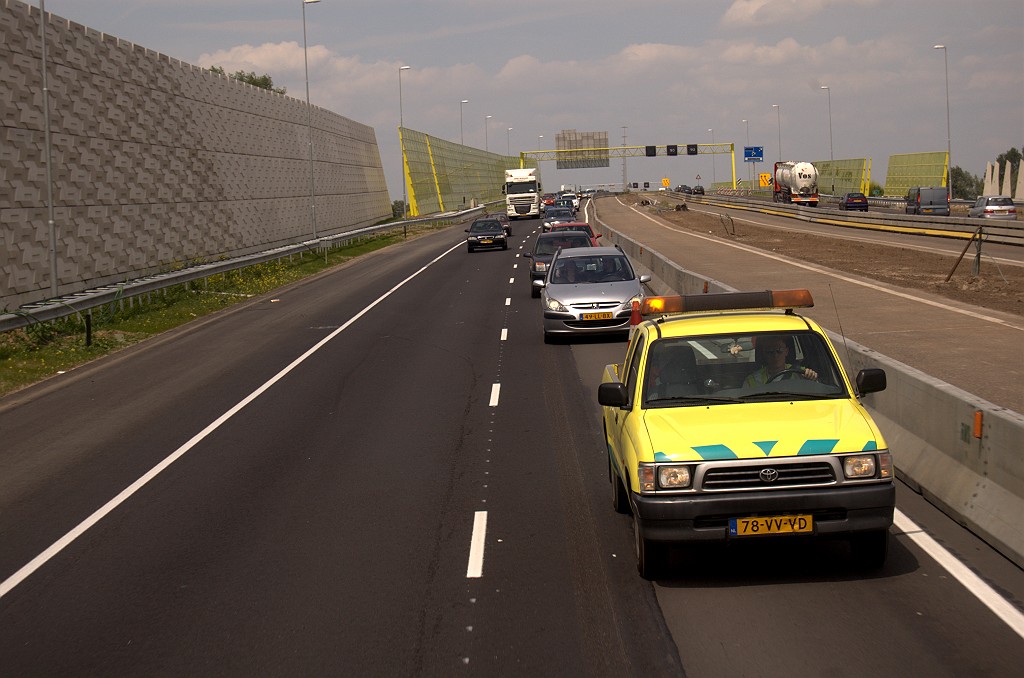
(750, 477)
(595, 306)
(596, 324)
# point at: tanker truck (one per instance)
(796, 182)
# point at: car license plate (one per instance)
(486, 242)
(597, 316)
(749, 527)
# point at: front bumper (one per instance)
(835, 511)
(557, 322)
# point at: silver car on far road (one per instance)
(589, 290)
(993, 207)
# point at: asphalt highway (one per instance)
(384, 471)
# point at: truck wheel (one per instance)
(870, 549)
(620, 500)
(649, 555)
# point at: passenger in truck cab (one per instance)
(773, 354)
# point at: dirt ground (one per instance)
(999, 287)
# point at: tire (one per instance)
(870, 549)
(649, 555)
(549, 338)
(620, 499)
(469, 249)
(535, 292)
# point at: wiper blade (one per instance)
(694, 399)
(785, 394)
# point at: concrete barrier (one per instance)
(962, 453)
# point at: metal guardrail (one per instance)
(60, 307)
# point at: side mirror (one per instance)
(645, 278)
(612, 394)
(871, 380)
(528, 255)
(538, 283)
(597, 235)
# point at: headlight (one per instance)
(654, 478)
(868, 465)
(673, 477)
(540, 266)
(556, 305)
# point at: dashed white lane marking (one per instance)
(508, 301)
(7, 585)
(972, 582)
(504, 333)
(475, 569)
(495, 392)
(511, 280)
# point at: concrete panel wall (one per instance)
(157, 163)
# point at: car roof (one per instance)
(591, 251)
(727, 322)
(561, 234)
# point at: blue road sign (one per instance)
(753, 154)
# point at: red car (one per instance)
(854, 201)
(578, 226)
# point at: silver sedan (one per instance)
(589, 290)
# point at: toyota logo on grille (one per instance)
(769, 475)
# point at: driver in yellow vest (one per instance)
(774, 352)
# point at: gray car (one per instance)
(993, 207)
(557, 215)
(589, 290)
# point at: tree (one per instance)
(262, 81)
(966, 186)
(397, 208)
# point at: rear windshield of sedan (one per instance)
(551, 245)
(576, 227)
(559, 213)
(485, 227)
(1001, 202)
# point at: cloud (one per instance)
(764, 12)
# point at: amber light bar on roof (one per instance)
(727, 301)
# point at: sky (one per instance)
(648, 72)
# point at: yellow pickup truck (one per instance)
(732, 418)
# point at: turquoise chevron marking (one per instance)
(766, 446)
(661, 456)
(869, 446)
(818, 447)
(714, 452)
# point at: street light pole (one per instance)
(51, 224)
(949, 143)
(831, 154)
(778, 110)
(508, 141)
(401, 126)
(309, 119)
(539, 137)
(462, 139)
(750, 179)
(486, 118)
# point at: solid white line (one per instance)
(972, 582)
(832, 273)
(504, 333)
(495, 392)
(8, 584)
(475, 569)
